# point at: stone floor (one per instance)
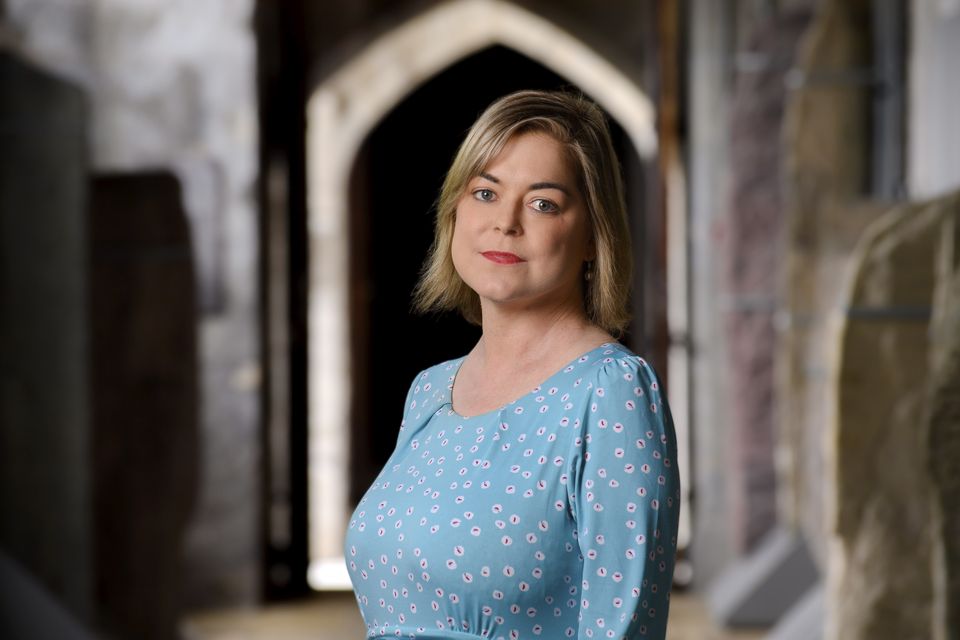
(334, 616)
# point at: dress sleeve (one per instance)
(427, 393)
(625, 497)
(410, 405)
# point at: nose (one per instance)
(509, 218)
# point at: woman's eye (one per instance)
(483, 194)
(544, 206)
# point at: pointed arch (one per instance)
(341, 112)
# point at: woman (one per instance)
(533, 491)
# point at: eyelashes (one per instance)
(486, 195)
(553, 207)
(477, 192)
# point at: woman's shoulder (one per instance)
(432, 384)
(430, 375)
(610, 362)
(626, 386)
(619, 365)
(619, 377)
(610, 369)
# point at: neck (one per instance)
(518, 337)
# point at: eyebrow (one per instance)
(535, 185)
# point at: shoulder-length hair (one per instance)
(581, 127)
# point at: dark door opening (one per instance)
(394, 182)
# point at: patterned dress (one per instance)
(554, 516)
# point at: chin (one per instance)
(495, 294)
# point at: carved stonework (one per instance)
(881, 575)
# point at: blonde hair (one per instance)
(581, 127)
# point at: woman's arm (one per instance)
(626, 499)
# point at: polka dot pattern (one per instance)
(554, 516)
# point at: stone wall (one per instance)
(622, 31)
(755, 220)
(171, 84)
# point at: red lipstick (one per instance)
(502, 257)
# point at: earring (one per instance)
(588, 274)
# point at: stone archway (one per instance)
(340, 113)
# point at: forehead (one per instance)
(533, 153)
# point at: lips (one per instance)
(502, 257)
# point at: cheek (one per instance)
(561, 243)
(464, 225)
(459, 245)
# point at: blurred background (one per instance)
(214, 211)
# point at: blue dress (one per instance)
(554, 516)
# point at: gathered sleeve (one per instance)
(625, 497)
(427, 393)
(409, 404)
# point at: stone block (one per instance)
(944, 440)
(881, 583)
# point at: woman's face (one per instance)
(522, 231)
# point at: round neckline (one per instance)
(535, 389)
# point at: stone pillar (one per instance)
(826, 143)
(711, 25)
(754, 233)
(933, 146)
